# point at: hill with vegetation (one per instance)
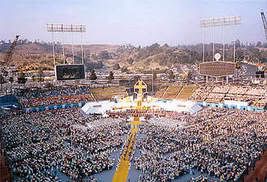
(35, 55)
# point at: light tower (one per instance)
(264, 24)
(61, 28)
(222, 22)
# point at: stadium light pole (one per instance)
(153, 81)
(53, 47)
(234, 50)
(65, 28)
(63, 48)
(220, 22)
(82, 47)
(203, 44)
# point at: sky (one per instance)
(137, 22)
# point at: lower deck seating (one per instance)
(106, 93)
(186, 92)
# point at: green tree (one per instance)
(130, 61)
(40, 75)
(11, 80)
(93, 75)
(2, 81)
(116, 66)
(5, 73)
(124, 69)
(171, 75)
(110, 77)
(22, 78)
(154, 74)
(33, 78)
(136, 78)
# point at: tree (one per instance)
(22, 78)
(103, 55)
(11, 80)
(124, 69)
(2, 81)
(237, 43)
(116, 66)
(130, 61)
(154, 74)
(5, 73)
(93, 75)
(33, 78)
(171, 75)
(110, 77)
(239, 55)
(259, 44)
(136, 78)
(40, 75)
(93, 56)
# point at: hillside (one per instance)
(152, 57)
(32, 55)
(35, 55)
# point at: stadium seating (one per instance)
(219, 93)
(172, 92)
(106, 93)
(160, 92)
(176, 92)
(186, 92)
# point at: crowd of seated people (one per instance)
(215, 97)
(217, 93)
(52, 92)
(54, 95)
(220, 143)
(51, 145)
(56, 100)
(221, 89)
(44, 146)
(239, 90)
(202, 92)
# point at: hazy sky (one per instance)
(131, 21)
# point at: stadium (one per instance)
(156, 113)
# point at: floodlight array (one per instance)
(65, 28)
(221, 21)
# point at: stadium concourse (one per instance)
(185, 133)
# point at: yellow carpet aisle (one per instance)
(121, 173)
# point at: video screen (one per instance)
(70, 72)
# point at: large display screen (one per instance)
(217, 68)
(70, 72)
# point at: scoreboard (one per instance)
(217, 68)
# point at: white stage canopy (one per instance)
(102, 107)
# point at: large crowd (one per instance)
(51, 96)
(45, 146)
(30, 93)
(217, 142)
(218, 93)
